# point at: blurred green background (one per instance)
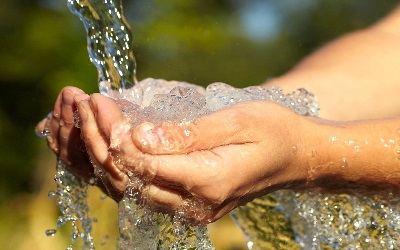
(43, 49)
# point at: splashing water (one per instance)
(176, 102)
(281, 220)
(109, 42)
(72, 201)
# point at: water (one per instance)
(109, 41)
(141, 228)
(72, 201)
(281, 220)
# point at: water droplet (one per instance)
(98, 171)
(294, 149)
(93, 181)
(60, 222)
(50, 232)
(398, 153)
(398, 131)
(343, 163)
(46, 132)
(187, 132)
(51, 194)
(313, 153)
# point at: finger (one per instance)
(53, 125)
(96, 144)
(109, 118)
(185, 172)
(116, 129)
(162, 199)
(228, 126)
(90, 134)
(40, 128)
(173, 202)
(71, 145)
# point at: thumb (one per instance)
(228, 126)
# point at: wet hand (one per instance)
(206, 167)
(63, 138)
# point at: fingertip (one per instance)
(82, 108)
(100, 102)
(81, 97)
(73, 89)
(109, 117)
(67, 97)
(145, 138)
(167, 138)
(162, 198)
(93, 102)
(40, 126)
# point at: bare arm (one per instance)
(356, 76)
(353, 156)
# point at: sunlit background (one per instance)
(43, 49)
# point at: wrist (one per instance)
(347, 157)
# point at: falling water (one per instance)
(281, 220)
(109, 41)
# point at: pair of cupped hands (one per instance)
(210, 165)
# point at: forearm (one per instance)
(348, 156)
(354, 77)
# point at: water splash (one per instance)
(177, 102)
(71, 196)
(141, 228)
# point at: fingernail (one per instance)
(81, 97)
(146, 135)
(93, 103)
(68, 97)
(82, 112)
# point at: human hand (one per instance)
(64, 139)
(205, 167)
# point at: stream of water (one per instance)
(280, 220)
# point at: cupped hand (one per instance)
(64, 138)
(204, 168)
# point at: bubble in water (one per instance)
(51, 194)
(92, 181)
(51, 232)
(45, 132)
(343, 163)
